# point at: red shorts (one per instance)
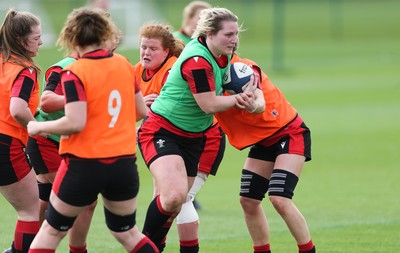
(43, 154)
(213, 152)
(295, 138)
(14, 164)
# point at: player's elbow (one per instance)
(51, 102)
(45, 107)
(16, 114)
(19, 117)
(209, 110)
(76, 128)
(210, 107)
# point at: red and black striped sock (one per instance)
(191, 246)
(25, 232)
(145, 246)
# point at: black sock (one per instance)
(161, 235)
(156, 217)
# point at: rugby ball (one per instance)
(236, 78)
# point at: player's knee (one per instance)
(44, 191)
(253, 186)
(118, 223)
(188, 214)
(280, 204)
(249, 205)
(281, 188)
(173, 201)
(57, 220)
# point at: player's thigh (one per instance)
(64, 208)
(260, 167)
(169, 173)
(121, 208)
(46, 178)
(23, 195)
(290, 162)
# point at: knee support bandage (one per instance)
(44, 191)
(118, 223)
(188, 213)
(58, 220)
(253, 185)
(282, 183)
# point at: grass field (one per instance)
(340, 69)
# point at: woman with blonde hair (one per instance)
(171, 137)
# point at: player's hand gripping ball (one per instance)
(237, 77)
